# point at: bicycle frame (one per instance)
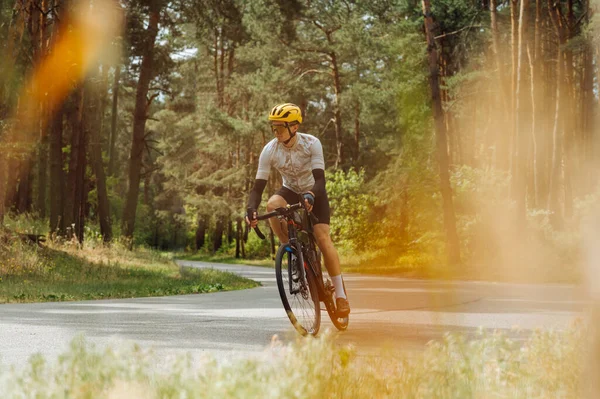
(287, 214)
(311, 261)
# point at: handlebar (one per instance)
(281, 212)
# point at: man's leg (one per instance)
(332, 263)
(278, 226)
(330, 255)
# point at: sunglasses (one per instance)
(281, 129)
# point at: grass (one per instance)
(29, 273)
(228, 259)
(549, 365)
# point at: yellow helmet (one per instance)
(287, 112)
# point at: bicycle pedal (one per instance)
(329, 286)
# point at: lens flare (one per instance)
(84, 40)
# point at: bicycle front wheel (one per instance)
(298, 291)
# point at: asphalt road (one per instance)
(402, 313)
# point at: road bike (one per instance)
(301, 281)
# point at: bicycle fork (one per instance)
(296, 267)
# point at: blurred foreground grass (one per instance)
(548, 365)
(63, 272)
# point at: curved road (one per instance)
(386, 311)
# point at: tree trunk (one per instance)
(534, 149)
(56, 174)
(113, 122)
(337, 112)
(553, 206)
(2, 188)
(441, 139)
(238, 238)
(357, 130)
(105, 144)
(82, 184)
(75, 182)
(139, 123)
(514, 19)
(222, 69)
(587, 108)
(570, 132)
(43, 147)
(502, 138)
(42, 181)
(96, 115)
(521, 119)
(24, 193)
(230, 231)
(218, 235)
(216, 66)
(12, 182)
(200, 232)
(557, 143)
(537, 99)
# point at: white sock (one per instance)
(339, 286)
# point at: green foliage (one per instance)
(350, 206)
(257, 248)
(26, 223)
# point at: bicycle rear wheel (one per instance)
(299, 295)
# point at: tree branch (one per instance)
(326, 31)
(312, 71)
(149, 101)
(580, 19)
(46, 13)
(161, 89)
(457, 31)
(304, 50)
(326, 126)
(149, 171)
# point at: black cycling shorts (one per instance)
(320, 208)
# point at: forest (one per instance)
(455, 132)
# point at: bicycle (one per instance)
(300, 280)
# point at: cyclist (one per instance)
(299, 159)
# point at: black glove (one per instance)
(309, 197)
(250, 214)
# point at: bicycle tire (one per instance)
(303, 308)
(341, 323)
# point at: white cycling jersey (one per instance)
(295, 163)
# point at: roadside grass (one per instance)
(227, 259)
(32, 273)
(548, 365)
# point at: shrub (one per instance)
(351, 206)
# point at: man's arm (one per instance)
(262, 175)
(318, 188)
(317, 163)
(256, 193)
